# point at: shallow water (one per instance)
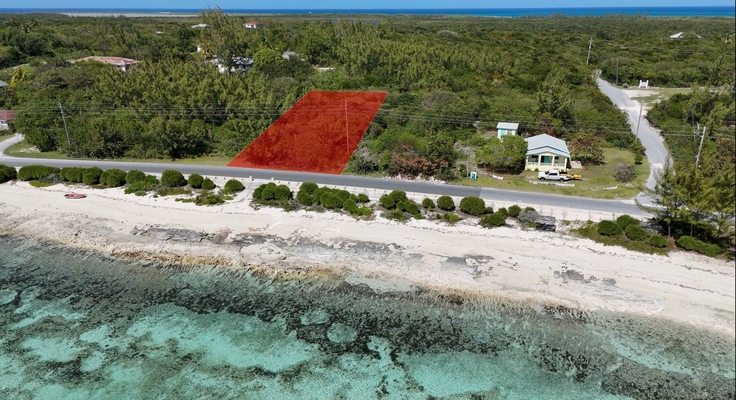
(78, 326)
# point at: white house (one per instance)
(199, 26)
(545, 152)
(253, 25)
(507, 128)
(678, 35)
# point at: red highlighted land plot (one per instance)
(317, 134)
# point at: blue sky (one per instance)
(342, 4)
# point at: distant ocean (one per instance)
(725, 11)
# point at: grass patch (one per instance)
(590, 231)
(23, 149)
(40, 184)
(650, 96)
(595, 178)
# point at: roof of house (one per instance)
(200, 26)
(545, 143)
(254, 23)
(7, 115)
(677, 35)
(507, 125)
(119, 61)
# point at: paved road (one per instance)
(650, 138)
(521, 198)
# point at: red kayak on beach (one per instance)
(75, 195)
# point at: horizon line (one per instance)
(381, 8)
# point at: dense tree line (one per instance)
(450, 80)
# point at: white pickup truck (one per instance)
(552, 175)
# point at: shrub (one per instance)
(207, 184)
(412, 208)
(527, 216)
(690, 243)
(195, 181)
(308, 188)
(343, 194)
(503, 211)
(529, 209)
(428, 204)
(488, 211)
(331, 200)
(72, 174)
(398, 195)
(514, 211)
(92, 175)
(113, 177)
(268, 192)
(282, 192)
(636, 232)
(134, 176)
(350, 206)
(625, 220)
(7, 173)
(387, 202)
(451, 218)
(234, 186)
(473, 205)
(493, 220)
(35, 172)
(173, 178)
(609, 228)
(658, 241)
(303, 198)
(638, 159)
(396, 214)
(624, 173)
(446, 203)
(51, 179)
(363, 198)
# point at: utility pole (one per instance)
(641, 107)
(590, 45)
(68, 142)
(617, 72)
(467, 170)
(700, 148)
(347, 131)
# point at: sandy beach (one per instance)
(508, 262)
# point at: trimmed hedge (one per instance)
(7, 173)
(350, 206)
(445, 203)
(609, 228)
(658, 241)
(91, 176)
(473, 205)
(398, 195)
(195, 181)
(72, 174)
(308, 188)
(387, 202)
(134, 175)
(690, 243)
(234, 186)
(207, 184)
(304, 198)
(173, 178)
(35, 172)
(514, 211)
(502, 210)
(331, 200)
(113, 177)
(363, 198)
(282, 192)
(428, 204)
(635, 232)
(625, 220)
(493, 220)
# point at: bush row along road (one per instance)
(509, 196)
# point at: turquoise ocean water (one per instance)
(75, 325)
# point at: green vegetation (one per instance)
(609, 228)
(514, 211)
(113, 177)
(173, 178)
(7, 173)
(235, 186)
(195, 181)
(207, 184)
(91, 176)
(473, 205)
(134, 176)
(72, 174)
(493, 220)
(35, 172)
(658, 241)
(445, 203)
(591, 231)
(428, 204)
(39, 184)
(313, 197)
(450, 218)
(691, 244)
(636, 233)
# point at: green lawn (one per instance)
(22, 150)
(651, 96)
(595, 178)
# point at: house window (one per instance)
(546, 160)
(534, 159)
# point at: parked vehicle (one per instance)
(573, 176)
(552, 175)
